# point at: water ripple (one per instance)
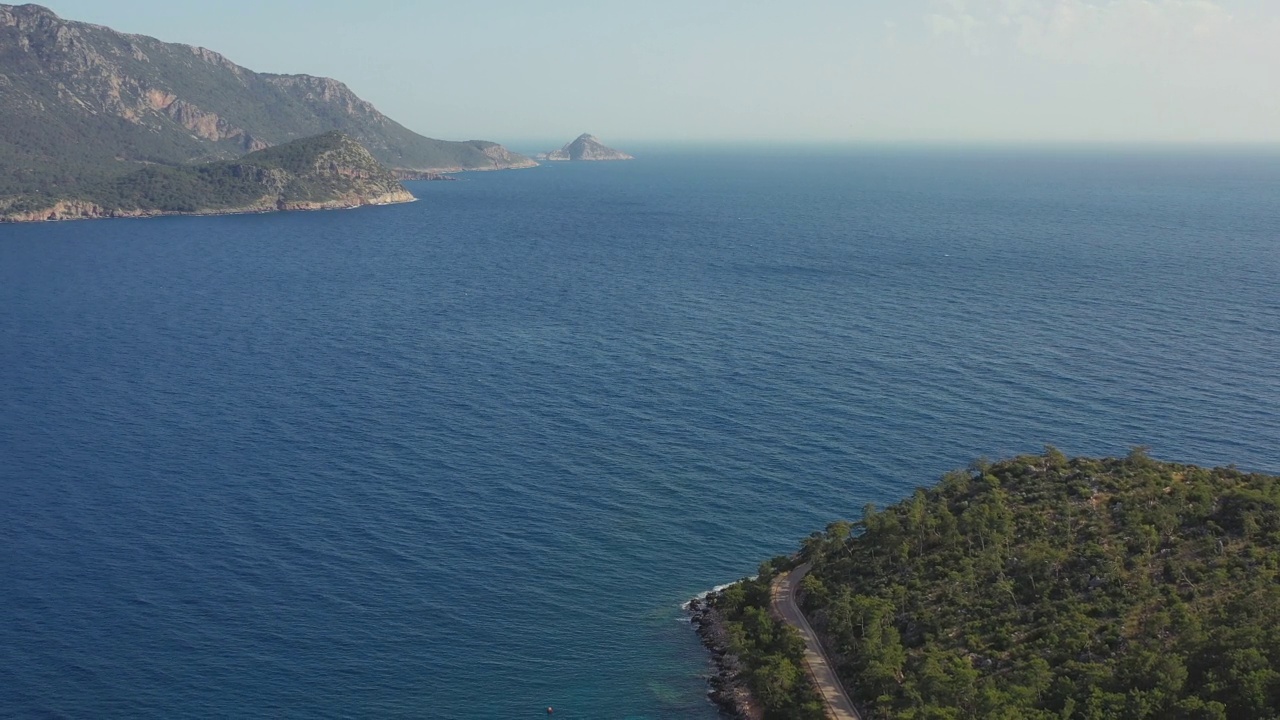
(466, 457)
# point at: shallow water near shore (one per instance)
(466, 457)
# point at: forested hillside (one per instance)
(1047, 587)
(1044, 587)
(757, 654)
(329, 170)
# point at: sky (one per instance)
(903, 71)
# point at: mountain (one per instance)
(82, 101)
(585, 147)
(325, 171)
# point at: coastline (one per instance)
(70, 210)
(727, 686)
(783, 604)
(491, 168)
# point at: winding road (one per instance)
(839, 706)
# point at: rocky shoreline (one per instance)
(432, 175)
(727, 686)
(65, 210)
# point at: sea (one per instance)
(467, 457)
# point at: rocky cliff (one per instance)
(585, 147)
(82, 101)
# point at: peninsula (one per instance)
(323, 172)
(585, 147)
(1036, 587)
(83, 106)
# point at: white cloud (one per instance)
(1125, 31)
(960, 24)
(1093, 69)
(1093, 32)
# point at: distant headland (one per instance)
(99, 123)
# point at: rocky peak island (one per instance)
(585, 147)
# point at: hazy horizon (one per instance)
(914, 72)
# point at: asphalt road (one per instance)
(839, 706)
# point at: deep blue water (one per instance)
(465, 458)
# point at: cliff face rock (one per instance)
(60, 210)
(93, 102)
(209, 126)
(585, 147)
(322, 172)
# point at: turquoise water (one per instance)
(464, 458)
